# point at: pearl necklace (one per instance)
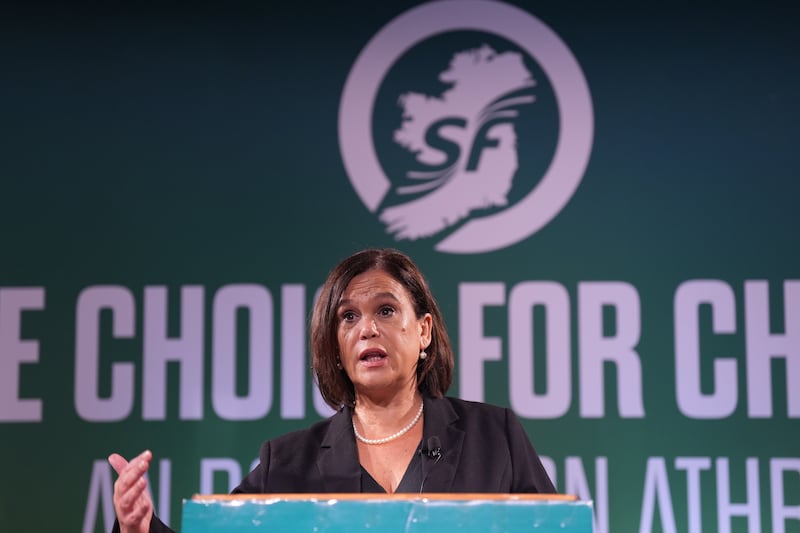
(394, 435)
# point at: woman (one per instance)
(382, 358)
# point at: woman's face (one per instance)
(380, 336)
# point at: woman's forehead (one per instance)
(374, 284)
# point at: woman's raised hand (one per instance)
(131, 499)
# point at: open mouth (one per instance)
(371, 355)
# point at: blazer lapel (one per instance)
(438, 475)
(338, 463)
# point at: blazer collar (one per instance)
(338, 458)
(338, 463)
(440, 418)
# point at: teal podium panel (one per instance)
(334, 513)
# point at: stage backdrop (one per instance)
(604, 198)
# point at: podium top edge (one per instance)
(460, 496)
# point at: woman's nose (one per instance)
(369, 328)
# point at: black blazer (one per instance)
(484, 448)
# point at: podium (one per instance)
(391, 513)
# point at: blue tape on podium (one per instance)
(349, 514)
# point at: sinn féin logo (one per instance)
(467, 142)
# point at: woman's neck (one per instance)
(387, 415)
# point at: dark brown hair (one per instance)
(434, 373)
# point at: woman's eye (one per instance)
(348, 316)
(386, 311)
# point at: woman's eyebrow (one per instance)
(389, 295)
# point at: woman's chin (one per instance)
(375, 383)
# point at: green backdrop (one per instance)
(174, 190)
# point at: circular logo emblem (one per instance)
(464, 140)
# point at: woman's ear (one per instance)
(425, 331)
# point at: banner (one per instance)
(603, 199)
